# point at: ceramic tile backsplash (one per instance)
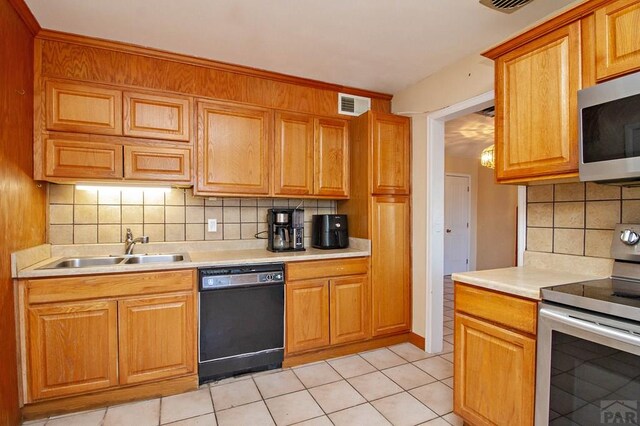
(578, 218)
(80, 217)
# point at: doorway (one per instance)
(435, 215)
(456, 223)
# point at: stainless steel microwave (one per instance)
(609, 121)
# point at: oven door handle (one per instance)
(591, 327)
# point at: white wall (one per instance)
(465, 79)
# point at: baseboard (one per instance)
(42, 409)
(348, 349)
(416, 340)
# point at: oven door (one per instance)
(588, 368)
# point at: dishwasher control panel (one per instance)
(217, 278)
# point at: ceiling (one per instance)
(467, 136)
(380, 45)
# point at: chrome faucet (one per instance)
(130, 241)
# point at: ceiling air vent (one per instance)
(352, 105)
(505, 6)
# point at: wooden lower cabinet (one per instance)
(494, 361)
(328, 304)
(307, 315)
(118, 334)
(349, 309)
(157, 337)
(73, 348)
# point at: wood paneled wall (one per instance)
(81, 58)
(22, 204)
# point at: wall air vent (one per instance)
(352, 105)
(505, 6)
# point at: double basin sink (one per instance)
(88, 262)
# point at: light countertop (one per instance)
(540, 270)
(203, 256)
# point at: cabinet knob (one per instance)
(448, 231)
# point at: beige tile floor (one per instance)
(397, 385)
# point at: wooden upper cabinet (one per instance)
(234, 143)
(331, 158)
(349, 309)
(536, 107)
(79, 158)
(293, 165)
(391, 264)
(157, 337)
(391, 154)
(72, 107)
(159, 117)
(157, 164)
(617, 38)
(307, 315)
(73, 348)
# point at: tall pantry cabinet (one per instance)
(379, 210)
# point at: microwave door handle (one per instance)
(588, 326)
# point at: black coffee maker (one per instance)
(286, 230)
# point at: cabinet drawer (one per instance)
(163, 117)
(82, 159)
(103, 286)
(82, 108)
(166, 164)
(326, 268)
(510, 311)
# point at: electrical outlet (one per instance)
(212, 225)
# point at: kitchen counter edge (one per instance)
(523, 281)
(198, 260)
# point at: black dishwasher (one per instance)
(241, 322)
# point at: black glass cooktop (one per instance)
(609, 296)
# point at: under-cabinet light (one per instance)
(94, 187)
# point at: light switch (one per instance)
(212, 225)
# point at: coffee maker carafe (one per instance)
(286, 229)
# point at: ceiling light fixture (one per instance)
(487, 158)
(99, 187)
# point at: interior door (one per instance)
(456, 220)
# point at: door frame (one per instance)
(469, 263)
(434, 194)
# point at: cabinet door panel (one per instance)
(82, 159)
(391, 265)
(162, 117)
(157, 338)
(166, 164)
(617, 38)
(82, 108)
(391, 154)
(233, 149)
(331, 158)
(293, 154)
(307, 320)
(349, 309)
(72, 348)
(494, 374)
(536, 107)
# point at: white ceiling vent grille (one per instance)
(506, 6)
(352, 105)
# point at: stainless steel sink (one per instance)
(83, 262)
(87, 262)
(154, 258)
